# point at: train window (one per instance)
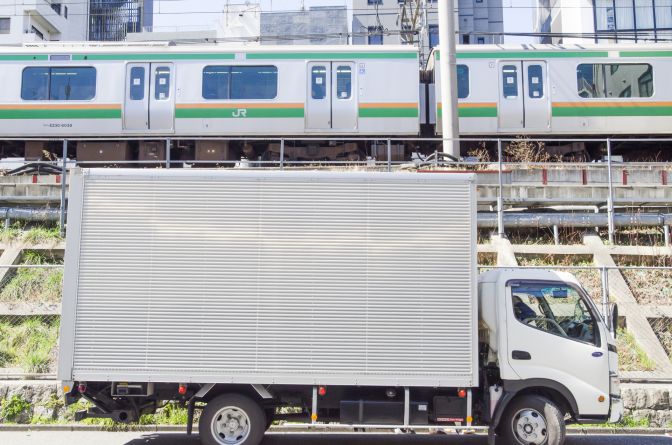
(254, 82)
(535, 81)
(137, 88)
(35, 84)
(318, 83)
(162, 83)
(74, 83)
(343, 82)
(462, 81)
(240, 82)
(216, 82)
(510, 81)
(601, 80)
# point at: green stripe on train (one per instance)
(646, 53)
(347, 55)
(22, 57)
(473, 112)
(112, 113)
(156, 56)
(388, 112)
(238, 113)
(531, 54)
(611, 111)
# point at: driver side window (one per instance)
(554, 308)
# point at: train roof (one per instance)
(232, 49)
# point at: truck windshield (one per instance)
(554, 308)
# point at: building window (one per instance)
(462, 81)
(65, 12)
(633, 20)
(433, 36)
(5, 23)
(601, 80)
(375, 35)
(37, 32)
(56, 7)
(72, 83)
(375, 2)
(480, 40)
(240, 82)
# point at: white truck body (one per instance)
(270, 278)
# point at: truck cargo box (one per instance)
(270, 278)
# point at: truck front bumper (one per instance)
(616, 410)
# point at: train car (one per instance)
(559, 90)
(224, 91)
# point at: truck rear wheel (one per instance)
(532, 420)
(232, 419)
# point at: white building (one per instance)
(25, 21)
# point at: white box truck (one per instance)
(319, 298)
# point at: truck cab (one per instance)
(544, 336)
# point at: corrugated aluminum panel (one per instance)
(271, 277)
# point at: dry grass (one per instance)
(631, 357)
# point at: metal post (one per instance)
(313, 415)
(500, 193)
(282, 154)
(556, 234)
(168, 153)
(64, 181)
(8, 222)
(407, 407)
(470, 416)
(610, 201)
(448, 69)
(666, 231)
(389, 155)
(604, 272)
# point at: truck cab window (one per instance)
(554, 308)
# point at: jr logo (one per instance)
(240, 112)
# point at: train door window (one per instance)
(35, 84)
(510, 81)
(535, 82)
(254, 82)
(343, 82)
(462, 81)
(137, 83)
(162, 83)
(318, 82)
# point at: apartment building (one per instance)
(28, 21)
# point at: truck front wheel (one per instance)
(232, 419)
(532, 420)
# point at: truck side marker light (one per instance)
(182, 389)
(322, 391)
(462, 393)
(601, 399)
(470, 419)
(66, 389)
(313, 417)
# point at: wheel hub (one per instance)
(230, 426)
(529, 426)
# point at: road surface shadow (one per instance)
(392, 439)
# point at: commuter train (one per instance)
(323, 93)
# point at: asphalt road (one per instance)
(100, 438)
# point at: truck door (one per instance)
(331, 100)
(150, 97)
(554, 334)
(524, 102)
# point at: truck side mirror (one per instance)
(613, 318)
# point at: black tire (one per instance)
(552, 417)
(243, 406)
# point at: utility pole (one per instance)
(448, 67)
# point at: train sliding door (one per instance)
(149, 103)
(524, 103)
(331, 100)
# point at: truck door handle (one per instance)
(521, 355)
